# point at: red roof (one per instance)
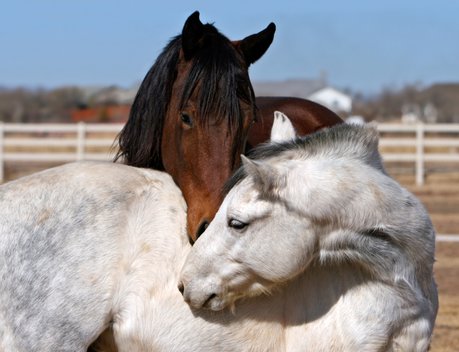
(113, 113)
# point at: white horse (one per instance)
(79, 244)
(91, 246)
(87, 247)
(343, 251)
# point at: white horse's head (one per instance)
(324, 197)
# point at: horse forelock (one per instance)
(140, 139)
(220, 73)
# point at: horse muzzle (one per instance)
(202, 296)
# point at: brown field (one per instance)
(440, 195)
(446, 333)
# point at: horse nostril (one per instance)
(202, 228)
(210, 298)
(181, 288)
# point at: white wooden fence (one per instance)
(35, 143)
(58, 143)
(424, 143)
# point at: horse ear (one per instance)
(192, 32)
(282, 129)
(264, 176)
(254, 46)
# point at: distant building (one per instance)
(332, 99)
(300, 88)
(105, 104)
(102, 114)
(316, 90)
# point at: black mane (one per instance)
(223, 79)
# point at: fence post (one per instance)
(2, 161)
(81, 134)
(419, 154)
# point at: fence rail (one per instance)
(418, 143)
(433, 143)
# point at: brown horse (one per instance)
(196, 109)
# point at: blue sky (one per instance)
(363, 45)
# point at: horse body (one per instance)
(73, 243)
(195, 110)
(305, 115)
(328, 309)
(318, 221)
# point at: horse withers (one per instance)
(343, 249)
(195, 110)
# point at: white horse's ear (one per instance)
(282, 129)
(264, 176)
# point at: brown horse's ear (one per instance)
(192, 32)
(254, 46)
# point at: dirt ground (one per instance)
(446, 333)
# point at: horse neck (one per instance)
(313, 293)
(385, 229)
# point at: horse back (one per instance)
(305, 115)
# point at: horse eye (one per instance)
(236, 224)
(186, 119)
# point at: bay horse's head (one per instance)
(192, 114)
